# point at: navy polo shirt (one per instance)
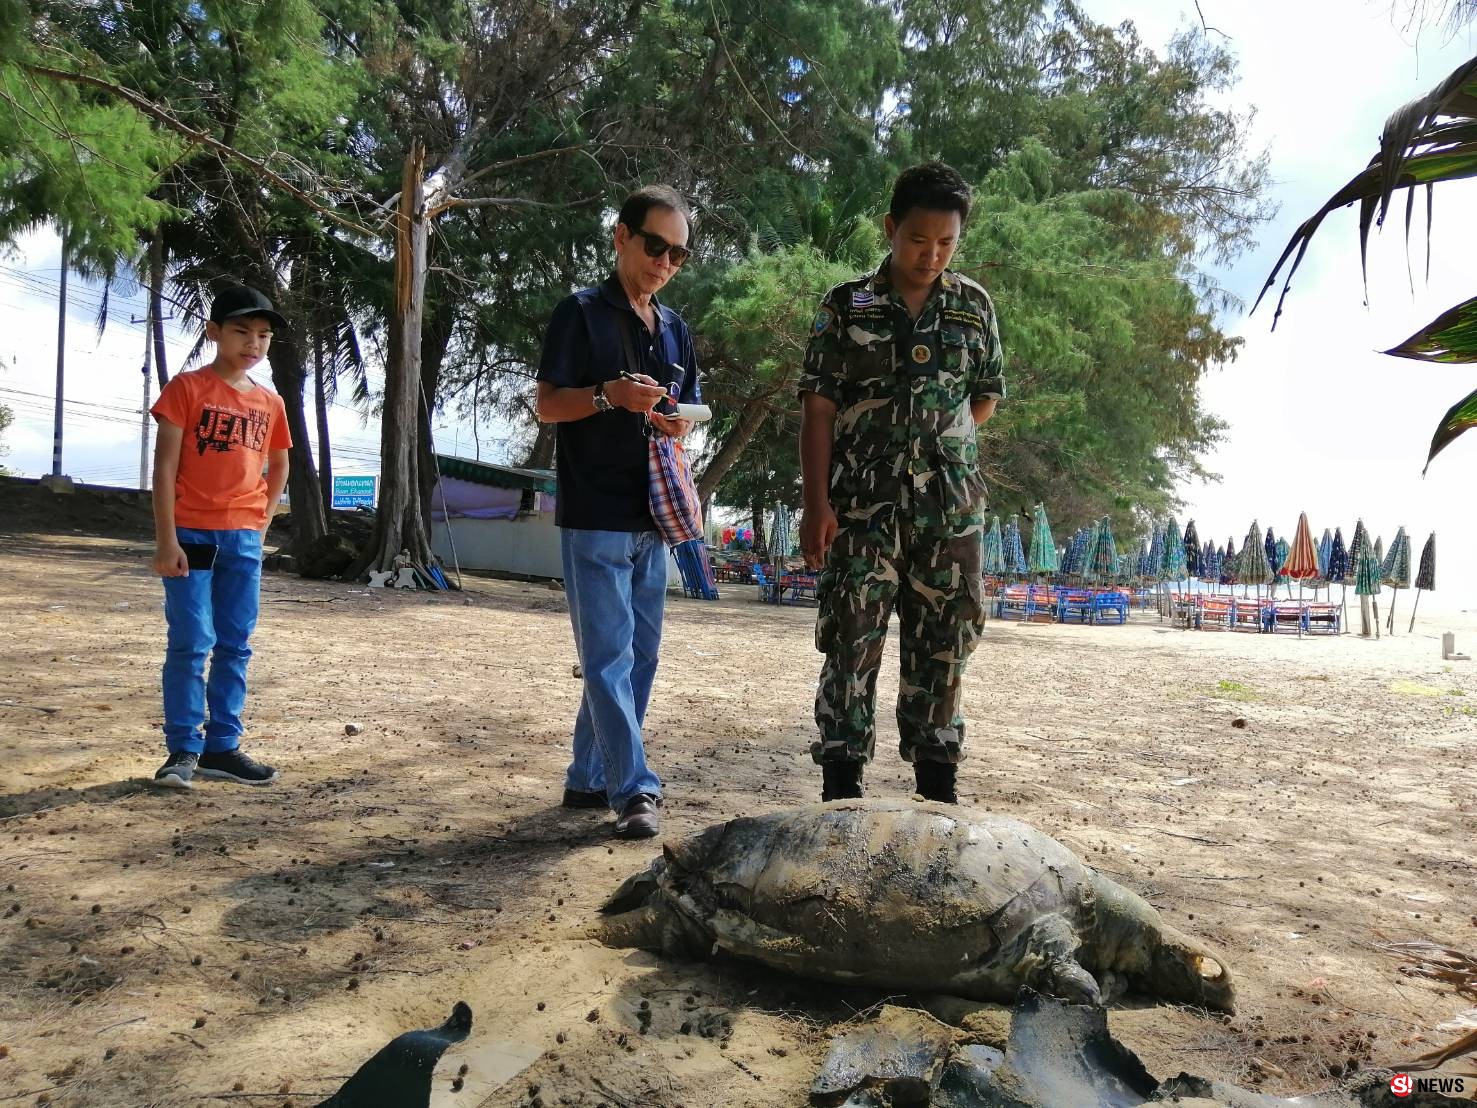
(601, 460)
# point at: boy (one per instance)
(218, 430)
(903, 367)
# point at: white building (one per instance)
(501, 519)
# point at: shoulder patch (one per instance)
(969, 282)
(823, 320)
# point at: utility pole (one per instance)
(61, 353)
(153, 322)
(143, 442)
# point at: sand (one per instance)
(170, 949)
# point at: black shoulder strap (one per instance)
(633, 364)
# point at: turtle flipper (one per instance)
(656, 926)
(1051, 949)
(635, 890)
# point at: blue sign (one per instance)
(354, 492)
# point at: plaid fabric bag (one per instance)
(673, 496)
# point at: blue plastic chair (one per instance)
(1015, 602)
(693, 567)
(768, 590)
(1109, 603)
(1075, 604)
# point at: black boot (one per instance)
(841, 780)
(936, 781)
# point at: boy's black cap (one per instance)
(240, 300)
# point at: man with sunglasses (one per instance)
(614, 359)
(903, 367)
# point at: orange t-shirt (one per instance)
(228, 435)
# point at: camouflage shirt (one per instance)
(903, 389)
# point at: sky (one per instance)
(1319, 420)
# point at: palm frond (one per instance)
(1414, 150)
(1461, 417)
(1451, 337)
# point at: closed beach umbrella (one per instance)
(1103, 565)
(1230, 564)
(1337, 571)
(1356, 540)
(1270, 542)
(1075, 562)
(1043, 548)
(1366, 570)
(1090, 549)
(1156, 566)
(1069, 553)
(1425, 577)
(1325, 550)
(1281, 560)
(1301, 561)
(1255, 569)
(1379, 551)
(1395, 571)
(1210, 565)
(1367, 582)
(1015, 557)
(992, 558)
(1192, 550)
(1175, 568)
(779, 535)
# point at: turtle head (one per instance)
(1182, 968)
(635, 890)
(1130, 937)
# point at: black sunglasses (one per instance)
(656, 246)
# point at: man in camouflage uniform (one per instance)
(903, 366)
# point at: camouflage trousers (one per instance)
(929, 572)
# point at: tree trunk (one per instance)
(541, 454)
(756, 514)
(399, 523)
(289, 377)
(325, 452)
(435, 337)
(755, 409)
(156, 306)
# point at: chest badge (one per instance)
(921, 354)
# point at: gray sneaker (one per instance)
(179, 771)
(236, 765)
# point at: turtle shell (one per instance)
(879, 892)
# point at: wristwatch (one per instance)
(602, 403)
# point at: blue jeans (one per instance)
(616, 582)
(212, 611)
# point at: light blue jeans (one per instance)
(210, 612)
(616, 582)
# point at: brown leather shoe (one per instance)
(639, 819)
(579, 798)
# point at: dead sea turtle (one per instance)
(923, 897)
